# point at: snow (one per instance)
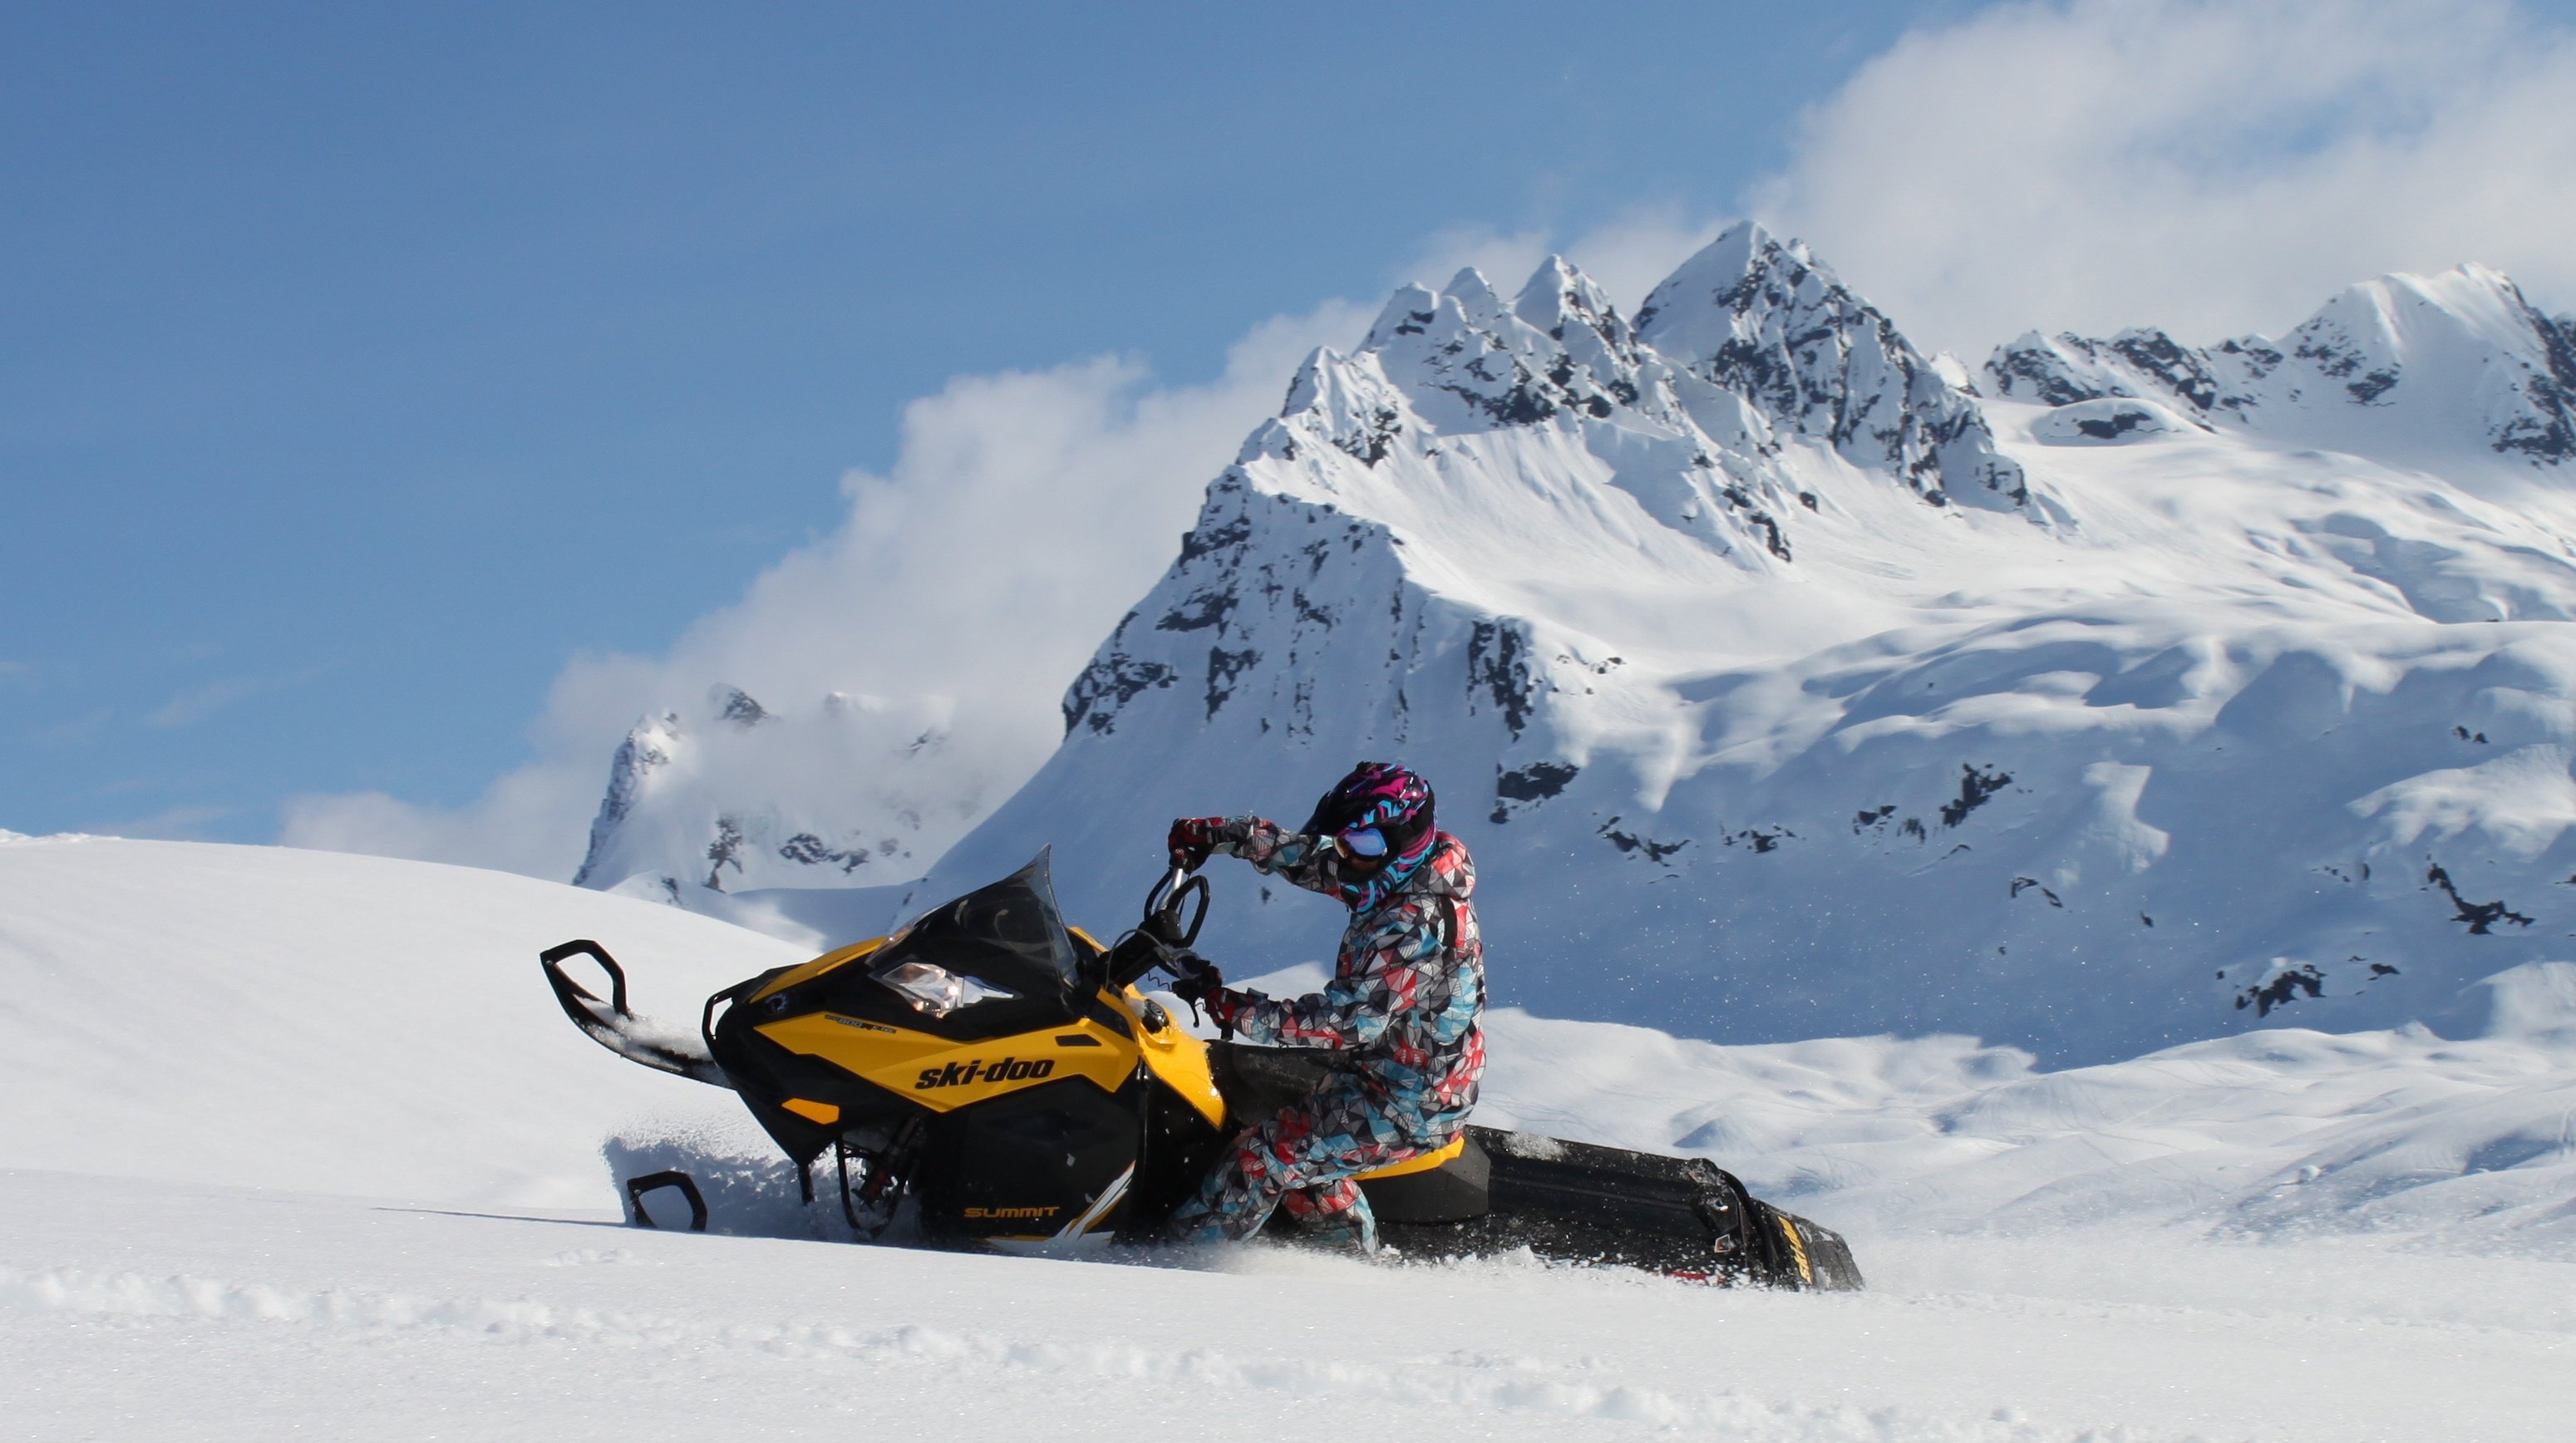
(1758, 731)
(177, 1314)
(297, 1142)
(1781, 685)
(319, 1021)
(2104, 846)
(729, 794)
(2455, 373)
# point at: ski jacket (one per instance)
(1408, 985)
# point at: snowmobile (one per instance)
(1001, 1071)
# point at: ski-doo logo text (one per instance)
(1007, 1069)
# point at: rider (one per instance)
(1408, 987)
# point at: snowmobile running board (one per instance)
(1581, 1202)
(1565, 1201)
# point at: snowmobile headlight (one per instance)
(938, 991)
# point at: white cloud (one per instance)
(2211, 166)
(198, 703)
(1025, 512)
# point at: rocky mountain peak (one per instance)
(2401, 367)
(648, 748)
(1466, 361)
(1764, 319)
(1557, 298)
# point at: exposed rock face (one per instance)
(1785, 688)
(731, 795)
(647, 749)
(1767, 321)
(2401, 367)
(1750, 740)
(1558, 373)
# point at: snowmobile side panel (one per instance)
(1451, 1185)
(1174, 1057)
(1438, 1157)
(944, 1075)
(1178, 1147)
(1026, 1164)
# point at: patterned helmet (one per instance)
(1382, 795)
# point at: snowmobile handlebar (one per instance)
(1169, 926)
(1163, 908)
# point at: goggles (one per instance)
(1362, 842)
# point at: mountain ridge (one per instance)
(1751, 736)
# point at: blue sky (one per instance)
(361, 364)
(396, 401)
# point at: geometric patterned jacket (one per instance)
(1408, 982)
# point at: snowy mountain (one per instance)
(1757, 345)
(2432, 371)
(1765, 320)
(694, 799)
(1759, 730)
(1785, 687)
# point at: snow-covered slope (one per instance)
(1765, 320)
(1758, 730)
(321, 1022)
(1784, 687)
(263, 1017)
(2258, 1237)
(198, 1314)
(2440, 371)
(1755, 345)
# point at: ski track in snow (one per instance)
(1265, 1335)
(1474, 1384)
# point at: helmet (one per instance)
(1383, 798)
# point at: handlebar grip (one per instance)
(1163, 911)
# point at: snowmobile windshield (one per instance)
(1008, 937)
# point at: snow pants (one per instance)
(1300, 1162)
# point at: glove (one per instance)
(1196, 981)
(1194, 978)
(1192, 838)
(1223, 1007)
